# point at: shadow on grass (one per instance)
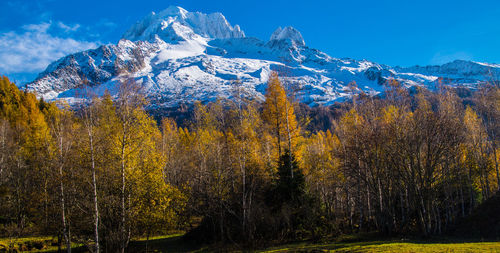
(366, 242)
(170, 243)
(373, 242)
(173, 243)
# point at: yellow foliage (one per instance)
(278, 113)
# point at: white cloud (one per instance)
(39, 28)
(34, 48)
(68, 28)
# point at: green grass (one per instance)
(31, 244)
(169, 243)
(351, 243)
(392, 247)
(348, 243)
(389, 246)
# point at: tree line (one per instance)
(242, 171)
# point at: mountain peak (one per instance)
(288, 33)
(175, 23)
(179, 56)
(174, 11)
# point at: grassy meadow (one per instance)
(175, 243)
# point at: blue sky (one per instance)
(35, 33)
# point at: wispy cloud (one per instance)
(68, 28)
(34, 47)
(39, 28)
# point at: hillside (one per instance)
(180, 57)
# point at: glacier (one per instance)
(179, 57)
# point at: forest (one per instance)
(239, 171)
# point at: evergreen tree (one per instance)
(288, 189)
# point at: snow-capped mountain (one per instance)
(180, 57)
(176, 24)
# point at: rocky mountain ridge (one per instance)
(179, 56)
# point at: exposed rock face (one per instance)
(180, 57)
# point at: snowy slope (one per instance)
(180, 57)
